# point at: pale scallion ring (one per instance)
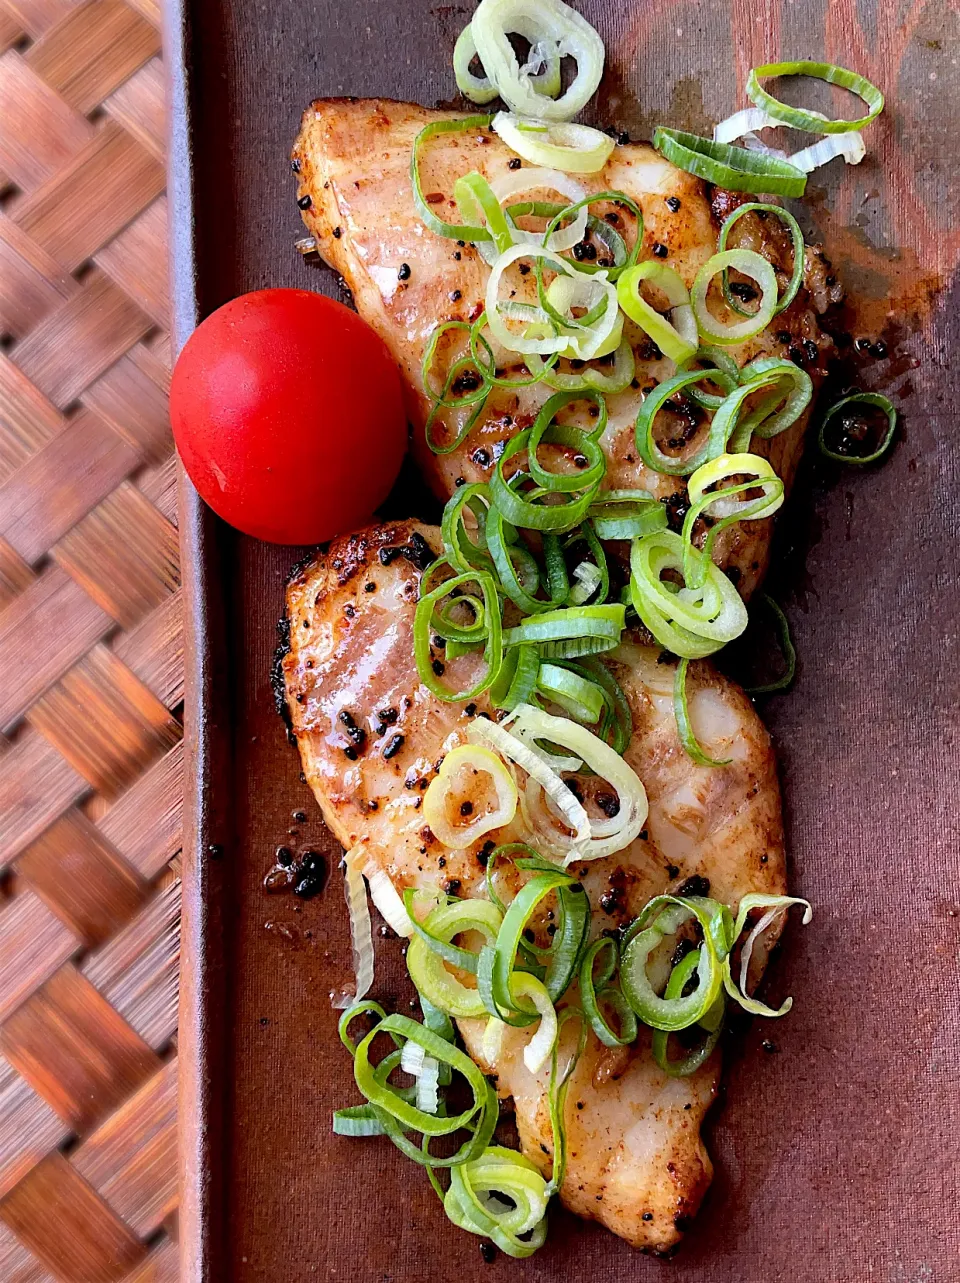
(750, 264)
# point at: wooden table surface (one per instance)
(90, 651)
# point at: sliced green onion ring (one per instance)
(501, 1196)
(604, 232)
(357, 1120)
(722, 507)
(519, 578)
(813, 121)
(426, 368)
(388, 1100)
(487, 366)
(587, 534)
(532, 316)
(596, 989)
(592, 378)
(653, 402)
(774, 906)
(722, 370)
(518, 182)
(502, 999)
(517, 679)
(460, 550)
(559, 1083)
(560, 958)
(750, 264)
(575, 149)
(616, 728)
(431, 947)
(606, 622)
(735, 168)
(523, 509)
(600, 330)
(576, 695)
(660, 1041)
(796, 237)
(792, 393)
(660, 919)
(455, 231)
(787, 647)
(676, 340)
(424, 625)
(876, 399)
(626, 514)
(592, 838)
(367, 1007)
(475, 760)
(688, 738)
(537, 20)
(480, 90)
(690, 622)
(477, 203)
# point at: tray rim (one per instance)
(200, 1116)
(202, 1110)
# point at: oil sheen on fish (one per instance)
(371, 737)
(352, 159)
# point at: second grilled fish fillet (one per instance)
(352, 158)
(371, 737)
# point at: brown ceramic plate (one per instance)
(835, 1146)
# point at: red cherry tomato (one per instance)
(288, 414)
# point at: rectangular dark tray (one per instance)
(837, 1157)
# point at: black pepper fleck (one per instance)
(393, 746)
(673, 203)
(305, 202)
(404, 272)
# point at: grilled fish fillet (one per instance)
(352, 158)
(371, 737)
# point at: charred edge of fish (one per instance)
(418, 552)
(297, 571)
(277, 684)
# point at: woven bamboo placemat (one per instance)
(90, 651)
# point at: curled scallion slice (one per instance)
(575, 149)
(660, 1041)
(479, 89)
(538, 20)
(596, 990)
(456, 231)
(725, 506)
(431, 950)
(879, 402)
(662, 918)
(690, 622)
(681, 711)
(813, 121)
(485, 629)
(773, 906)
(677, 338)
(796, 237)
(469, 759)
(500, 1196)
(750, 264)
(735, 168)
